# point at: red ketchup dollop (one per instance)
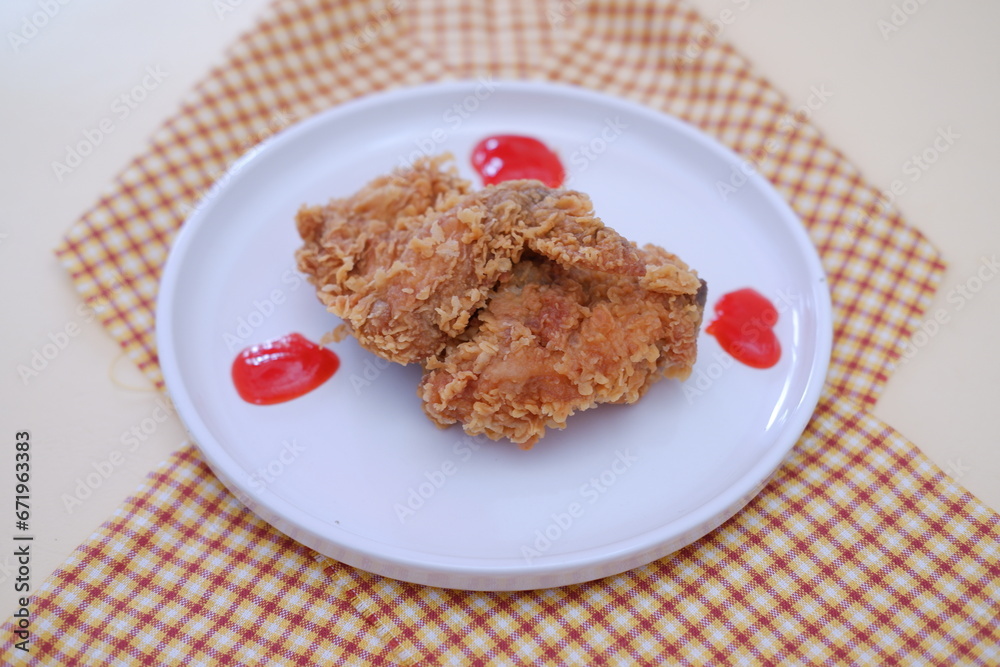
(508, 157)
(743, 325)
(279, 370)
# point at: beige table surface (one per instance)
(891, 93)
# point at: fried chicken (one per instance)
(410, 258)
(520, 304)
(554, 340)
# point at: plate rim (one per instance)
(459, 572)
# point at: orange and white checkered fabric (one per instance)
(858, 551)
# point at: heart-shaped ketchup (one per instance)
(506, 157)
(279, 370)
(744, 326)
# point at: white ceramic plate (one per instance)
(357, 472)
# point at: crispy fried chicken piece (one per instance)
(520, 304)
(553, 340)
(409, 259)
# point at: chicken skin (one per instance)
(554, 340)
(409, 259)
(519, 303)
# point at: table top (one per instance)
(906, 90)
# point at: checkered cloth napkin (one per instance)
(858, 551)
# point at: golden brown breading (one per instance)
(410, 258)
(555, 340)
(522, 306)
